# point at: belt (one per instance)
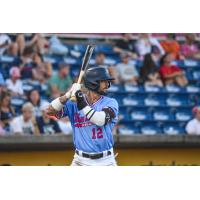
(93, 156)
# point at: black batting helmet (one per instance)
(93, 76)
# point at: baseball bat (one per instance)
(85, 62)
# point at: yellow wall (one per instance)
(126, 157)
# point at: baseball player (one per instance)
(92, 117)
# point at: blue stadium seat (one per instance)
(173, 89)
(173, 129)
(176, 101)
(190, 63)
(132, 88)
(71, 61)
(132, 100)
(152, 89)
(80, 47)
(150, 129)
(196, 75)
(115, 88)
(128, 130)
(104, 48)
(17, 103)
(154, 100)
(140, 115)
(183, 114)
(163, 114)
(192, 89)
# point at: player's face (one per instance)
(104, 85)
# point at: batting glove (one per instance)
(75, 88)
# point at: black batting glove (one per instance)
(81, 102)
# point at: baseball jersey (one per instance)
(87, 136)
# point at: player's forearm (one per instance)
(56, 105)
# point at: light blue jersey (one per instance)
(87, 136)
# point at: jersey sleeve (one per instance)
(65, 110)
(113, 104)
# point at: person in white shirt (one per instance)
(25, 124)
(145, 43)
(127, 73)
(14, 84)
(37, 102)
(193, 126)
(5, 42)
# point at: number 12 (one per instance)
(97, 133)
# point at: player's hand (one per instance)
(75, 88)
(72, 90)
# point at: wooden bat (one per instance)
(85, 62)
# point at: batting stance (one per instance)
(92, 117)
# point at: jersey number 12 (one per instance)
(97, 133)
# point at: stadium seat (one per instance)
(132, 88)
(132, 101)
(151, 88)
(173, 129)
(150, 129)
(176, 101)
(154, 100)
(162, 115)
(7, 59)
(128, 130)
(192, 89)
(80, 47)
(115, 88)
(173, 88)
(140, 115)
(183, 114)
(190, 63)
(196, 75)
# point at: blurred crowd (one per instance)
(158, 69)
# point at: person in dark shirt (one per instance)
(149, 74)
(45, 124)
(6, 110)
(125, 45)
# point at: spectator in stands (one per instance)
(26, 123)
(126, 71)
(125, 45)
(171, 74)
(26, 63)
(45, 124)
(42, 71)
(100, 61)
(39, 43)
(2, 131)
(149, 74)
(193, 126)
(3, 87)
(61, 81)
(7, 112)
(14, 84)
(145, 43)
(21, 43)
(37, 103)
(170, 45)
(65, 125)
(56, 46)
(189, 49)
(7, 46)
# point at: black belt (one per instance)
(93, 156)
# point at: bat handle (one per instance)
(73, 97)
